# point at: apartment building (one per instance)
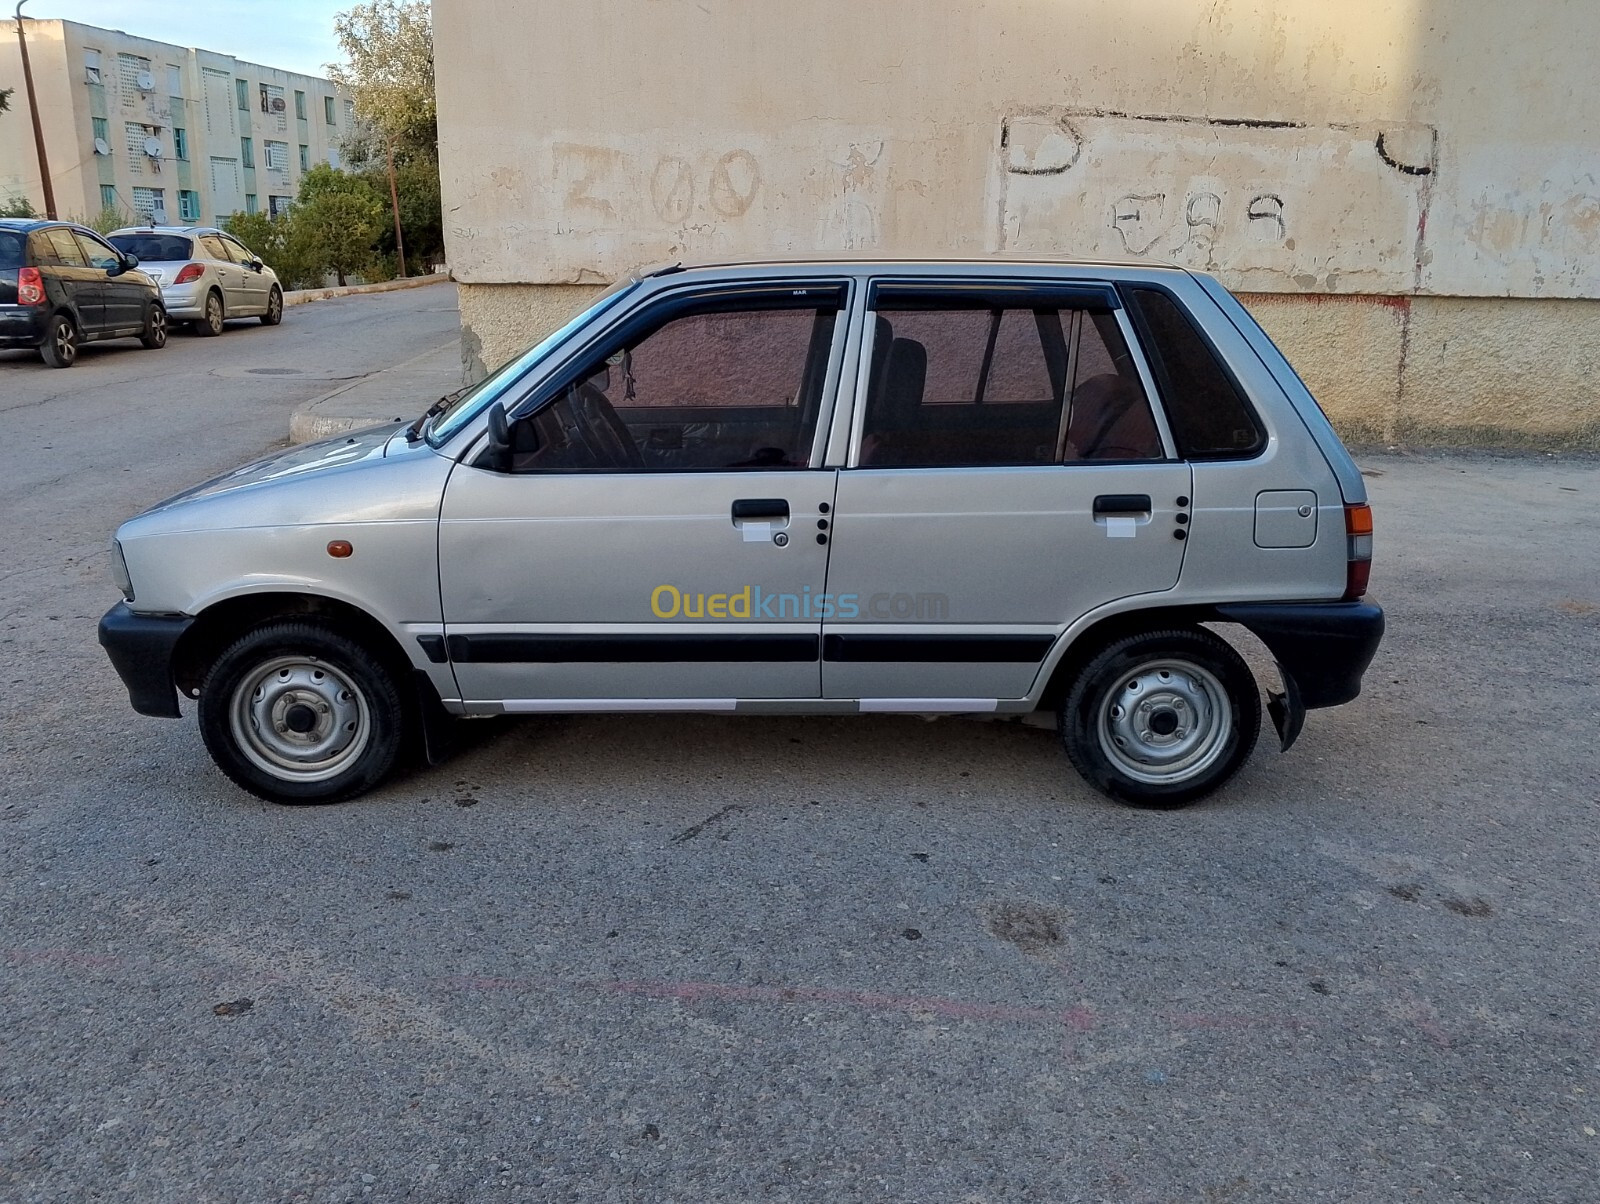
(161, 132)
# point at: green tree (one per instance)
(338, 229)
(5, 98)
(388, 72)
(281, 248)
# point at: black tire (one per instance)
(334, 717)
(211, 325)
(1199, 699)
(60, 346)
(155, 329)
(274, 313)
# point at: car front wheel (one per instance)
(155, 329)
(297, 712)
(1161, 718)
(60, 346)
(274, 313)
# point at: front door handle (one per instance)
(773, 509)
(1121, 503)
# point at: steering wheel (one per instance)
(605, 428)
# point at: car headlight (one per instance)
(119, 572)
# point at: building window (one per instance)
(91, 66)
(150, 204)
(180, 143)
(188, 204)
(305, 158)
(277, 206)
(251, 205)
(272, 99)
(174, 80)
(101, 132)
(135, 135)
(349, 113)
(300, 105)
(276, 155)
(241, 90)
(108, 196)
(133, 73)
(327, 109)
(247, 151)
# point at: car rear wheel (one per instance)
(1162, 718)
(211, 324)
(60, 346)
(297, 712)
(274, 313)
(155, 329)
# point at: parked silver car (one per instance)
(207, 276)
(923, 487)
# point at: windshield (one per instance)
(11, 243)
(503, 379)
(153, 248)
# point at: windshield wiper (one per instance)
(414, 431)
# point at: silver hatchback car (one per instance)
(788, 488)
(207, 276)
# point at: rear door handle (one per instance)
(755, 508)
(1122, 503)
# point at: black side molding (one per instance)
(627, 649)
(955, 649)
(140, 648)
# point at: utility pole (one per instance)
(394, 201)
(38, 130)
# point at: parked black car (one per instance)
(62, 285)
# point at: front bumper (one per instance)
(1322, 650)
(140, 648)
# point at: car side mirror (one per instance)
(498, 454)
(256, 265)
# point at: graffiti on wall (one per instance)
(1272, 205)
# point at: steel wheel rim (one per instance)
(66, 342)
(1165, 722)
(299, 719)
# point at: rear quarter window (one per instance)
(12, 245)
(1208, 413)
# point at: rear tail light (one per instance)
(1358, 534)
(30, 287)
(189, 274)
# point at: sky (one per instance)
(295, 35)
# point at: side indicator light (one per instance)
(340, 548)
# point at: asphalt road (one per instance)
(692, 959)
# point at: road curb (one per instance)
(306, 425)
(304, 296)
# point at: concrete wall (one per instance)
(1407, 191)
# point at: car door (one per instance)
(252, 283)
(230, 276)
(123, 296)
(1007, 475)
(83, 285)
(654, 539)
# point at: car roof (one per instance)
(35, 223)
(168, 230)
(932, 267)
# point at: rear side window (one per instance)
(66, 248)
(958, 384)
(1209, 416)
(11, 249)
(153, 248)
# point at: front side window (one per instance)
(734, 386)
(957, 383)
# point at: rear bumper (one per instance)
(140, 648)
(184, 301)
(22, 326)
